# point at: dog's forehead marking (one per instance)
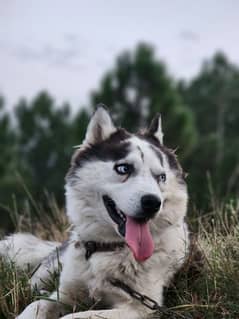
(147, 150)
(139, 144)
(158, 154)
(141, 153)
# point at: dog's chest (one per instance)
(96, 272)
(103, 267)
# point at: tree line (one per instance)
(200, 119)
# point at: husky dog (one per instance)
(126, 198)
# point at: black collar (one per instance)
(92, 247)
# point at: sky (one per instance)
(66, 47)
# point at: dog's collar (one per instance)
(92, 247)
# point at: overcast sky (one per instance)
(66, 46)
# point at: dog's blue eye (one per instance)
(123, 169)
(162, 178)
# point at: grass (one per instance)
(206, 287)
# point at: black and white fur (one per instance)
(91, 176)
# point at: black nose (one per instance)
(150, 204)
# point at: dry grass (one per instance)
(15, 292)
(206, 287)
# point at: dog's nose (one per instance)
(150, 204)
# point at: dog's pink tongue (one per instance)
(139, 239)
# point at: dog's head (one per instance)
(126, 185)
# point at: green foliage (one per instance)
(46, 135)
(139, 87)
(213, 96)
(44, 140)
(7, 163)
(36, 152)
(7, 139)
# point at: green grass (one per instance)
(206, 287)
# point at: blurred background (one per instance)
(58, 59)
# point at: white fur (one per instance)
(100, 122)
(83, 279)
(159, 133)
(26, 250)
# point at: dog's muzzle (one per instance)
(135, 228)
(150, 205)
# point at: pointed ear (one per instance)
(155, 128)
(100, 126)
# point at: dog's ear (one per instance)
(155, 128)
(100, 127)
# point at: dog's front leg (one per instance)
(124, 313)
(42, 309)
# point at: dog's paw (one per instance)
(41, 309)
(106, 314)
